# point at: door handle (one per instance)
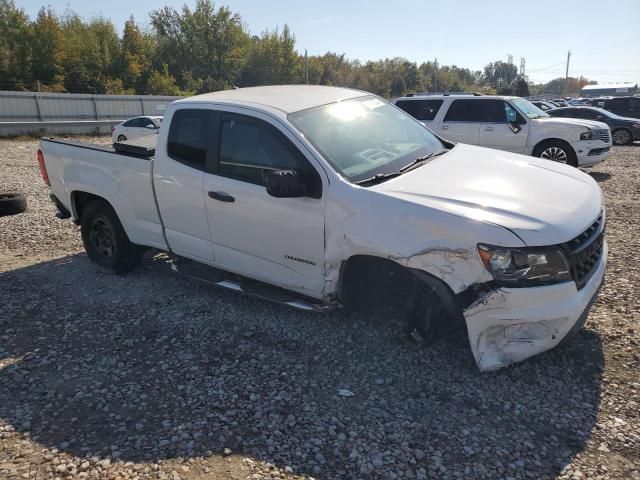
(445, 127)
(222, 196)
(489, 129)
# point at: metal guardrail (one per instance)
(12, 129)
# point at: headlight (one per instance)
(585, 135)
(531, 265)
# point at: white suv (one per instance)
(513, 124)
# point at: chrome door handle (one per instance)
(445, 127)
(489, 129)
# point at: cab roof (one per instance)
(286, 98)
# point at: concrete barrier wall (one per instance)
(35, 113)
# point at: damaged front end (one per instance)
(510, 324)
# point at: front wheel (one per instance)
(557, 152)
(621, 136)
(105, 241)
(121, 138)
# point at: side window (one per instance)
(250, 149)
(145, 122)
(463, 111)
(493, 111)
(586, 114)
(190, 136)
(421, 109)
(134, 122)
(559, 113)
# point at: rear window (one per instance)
(190, 136)
(420, 109)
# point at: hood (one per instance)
(543, 202)
(571, 122)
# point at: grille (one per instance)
(604, 135)
(585, 251)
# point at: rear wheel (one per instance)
(556, 151)
(621, 136)
(121, 138)
(105, 241)
(426, 314)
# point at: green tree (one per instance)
(204, 49)
(15, 51)
(47, 51)
(162, 83)
(134, 63)
(522, 87)
(500, 76)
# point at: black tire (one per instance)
(105, 241)
(121, 138)
(556, 151)
(426, 315)
(12, 203)
(621, 136)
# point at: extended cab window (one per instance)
(420, 109)
(190, 136)
(250, 149)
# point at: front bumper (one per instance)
(591, 152)
(512, 324)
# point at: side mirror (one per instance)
(286, 184)
(152, 127)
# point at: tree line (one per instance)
(208, 48)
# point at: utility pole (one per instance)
(522, 61)
(566, 75)
(306, 66)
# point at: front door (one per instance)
(278, 240)
(502, 127)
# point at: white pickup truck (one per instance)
(320, 197)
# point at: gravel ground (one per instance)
(152, 375)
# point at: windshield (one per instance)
(365, 136)
(528, 108)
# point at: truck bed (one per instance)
(143, 147)
(120, 174)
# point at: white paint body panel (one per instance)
(430, 218)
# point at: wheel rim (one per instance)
(122, 138)
(102, 238)
(620, 137)
(556, 154)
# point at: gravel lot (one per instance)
(152, 375)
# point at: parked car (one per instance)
(318, 197)
(623, 106)
(513, 124)
(135, 127)
(578, 102)
(544, 106)
(623, 130)
(561, 102)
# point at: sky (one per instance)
(604, 38)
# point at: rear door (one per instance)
(278, 240)
(461, 122)
(424, 110)
(502, 126)
(178, 173)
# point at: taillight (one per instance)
(112, 128)
(43, 168)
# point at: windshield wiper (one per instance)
(420, 160)
(377, 178)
